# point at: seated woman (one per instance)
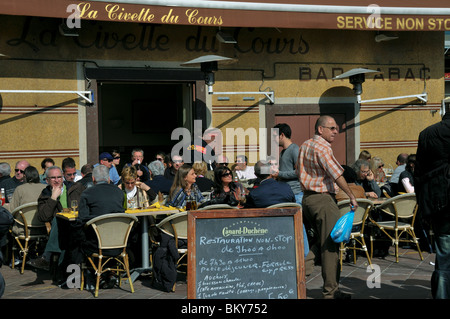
(184, 187)
(225, 190)
(137, 194)
(406, 179)
(350, 177)
(204, 183)
(376, 165)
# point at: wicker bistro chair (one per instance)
(280, 205)
(359, 223)
(216, 206)
(176, 226)
(112, 232)
(402, 210)
(27, 229)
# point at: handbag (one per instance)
(343, 228)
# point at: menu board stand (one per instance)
(246, 254)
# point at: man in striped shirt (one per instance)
(319, 172)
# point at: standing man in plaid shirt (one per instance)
(319, 172)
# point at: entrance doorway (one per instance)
(138, 108)
(302, 118)
(302, 127)
(142, 115)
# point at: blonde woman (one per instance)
(376, 165)
(204, 184)
(137, 194)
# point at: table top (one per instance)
(153, 210)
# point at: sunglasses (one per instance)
(19, 170)
(71, 174)
(226, 174)
(117, 157)
(332, 128)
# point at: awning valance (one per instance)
(392, 15)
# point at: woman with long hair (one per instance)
(225, 190)
(184, 187)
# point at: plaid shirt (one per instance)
(317, 167)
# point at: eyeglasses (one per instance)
(332, 128)
(107, 159)
(178, 161)
(19, 170)
(55, 177)
(226, 174)
(365, 172)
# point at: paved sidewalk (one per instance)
(408, 279)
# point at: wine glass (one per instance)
(242, 198)
(74, 205)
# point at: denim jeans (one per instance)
(298, 200)
(440, 280)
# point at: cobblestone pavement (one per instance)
(408, 279)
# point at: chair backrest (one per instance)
(175, 225)
(217, 206)
(404, 205)
(26, 214)
(361, 212)
(206, 194)
(112, 229)
(287, 204)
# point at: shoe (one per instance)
(342, 296)
(17, 262)
(108, 283)
(40, 263)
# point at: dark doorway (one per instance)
(142, 115)
(139, 108)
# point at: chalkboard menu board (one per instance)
(246, 254)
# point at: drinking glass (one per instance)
(74, 205)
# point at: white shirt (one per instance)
(248, 173)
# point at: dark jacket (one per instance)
(10, 185)
(100, 199)
(431, 171)
(160, 184)
(204, 184)
(270, 192)
(48, 208)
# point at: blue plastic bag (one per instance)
(343, 228)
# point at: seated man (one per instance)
(100, 199)
(366, 179)
(177, 162)
(269, 191)
(158, 182)
(243, 171)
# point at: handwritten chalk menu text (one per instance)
(246, 258)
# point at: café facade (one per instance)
(81, 77)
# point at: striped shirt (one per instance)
(317, 168)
